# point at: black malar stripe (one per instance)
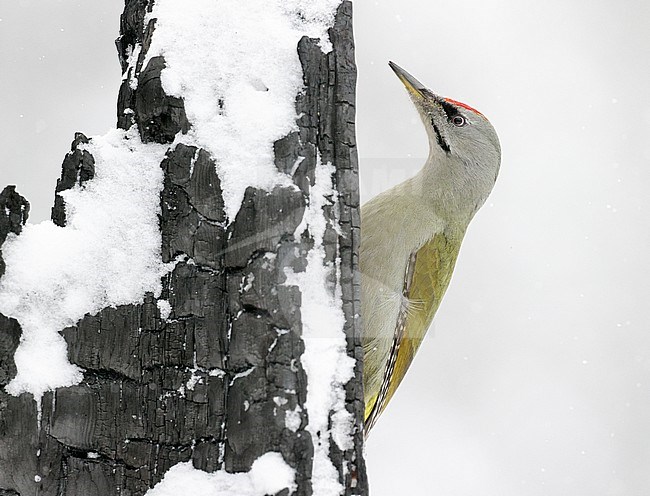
(441, 141)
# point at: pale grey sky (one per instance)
(535, 379)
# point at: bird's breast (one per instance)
(399, 302)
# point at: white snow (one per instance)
(292, 419)
(107, 255)
(325, 360)
(245, 373)
(132, 58)
(247, 283)
(217, 373)
(235, 64)
(194, 379)
(269, 475)
(342, 425)
(165, 309)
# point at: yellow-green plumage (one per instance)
(428, 281)
(411, 236)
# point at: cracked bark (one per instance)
(199, 385)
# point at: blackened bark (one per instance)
(14, 211)
(213, 381)
(78, 167)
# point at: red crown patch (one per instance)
(465, 106)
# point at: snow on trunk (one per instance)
(107, 255)
(269, 475)
(236, 67)
(325, 357)
(190, 317)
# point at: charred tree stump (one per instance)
(209, 371)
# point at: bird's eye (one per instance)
(458, 121)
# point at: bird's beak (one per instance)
(414, 87)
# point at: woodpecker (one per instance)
(411, 235)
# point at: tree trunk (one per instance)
(209, 371)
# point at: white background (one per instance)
(535, 378)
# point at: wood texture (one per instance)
(214, 381)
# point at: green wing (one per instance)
(426, 279)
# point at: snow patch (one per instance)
(236, 66)
(247, 283)
(325, 359)
(165, 309)
(243, 374)
(292, 419)
(217, 373)
(269, 474)
(193, 380)
(342, 426)
(133, 53)
(107, 255)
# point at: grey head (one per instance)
(464, 149)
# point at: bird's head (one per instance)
(464, 150)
